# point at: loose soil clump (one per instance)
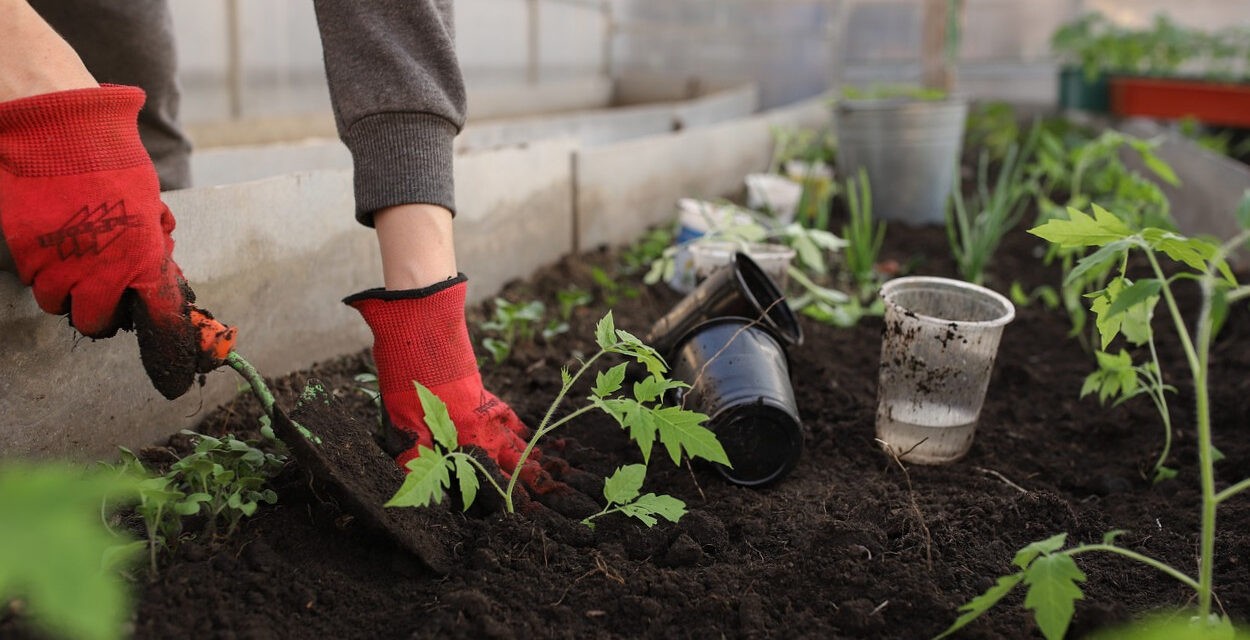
(850, 545)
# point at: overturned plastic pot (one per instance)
(739, 376)
(743, 289)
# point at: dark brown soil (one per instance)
(850, 545)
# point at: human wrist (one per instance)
(33, 58)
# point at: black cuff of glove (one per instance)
(381, 293)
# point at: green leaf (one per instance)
(1137, 293)
(466, 476)
(1081, 230)
(1243, 210)
(666, 507)
(1158, 166)
(1110, 536)
(982, 603)
(633, 417)
(53, 544)
(1049, 545)
(1192, 252)
(437, 417)
(428, 475)
(653, 388)
(624, 485)
(605, 332)
(608, 382)
(1163, 473)
(682, 429)
(1053, 590)
(499, 350)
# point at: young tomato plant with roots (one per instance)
(1046, 567)
(643, 415)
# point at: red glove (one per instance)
(81, 212)
(421, 335)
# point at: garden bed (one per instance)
(849, 545)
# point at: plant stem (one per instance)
(1206, 461)
(1144, 559)
(1233, 490)
(543, 429)
(1198, 358)
(486, 474)
(1158, 393)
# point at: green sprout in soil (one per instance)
(1046, 567)
(864, 237)
(645, 418)
(514, 323)
(976, 228)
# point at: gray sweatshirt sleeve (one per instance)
(398, 97)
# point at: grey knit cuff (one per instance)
(401, 158)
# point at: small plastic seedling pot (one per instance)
(937, 353)
(739, 377)
(698, 218)
(773, 259)
(743, 289)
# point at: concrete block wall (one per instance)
(276, 255)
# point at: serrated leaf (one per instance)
(1097, 262)
(428, 475)
(1137, 293)
(641, 514)
(605, 332)
(608, 382)
(1081, 230)
(682, 429)
(1049, 545)
(466, 477)
(566, 378)
(1053, 590)
(1135, 323)
(634, 418)
(666, 507)
(982, 603)
(623, 485)
(436, 417)
(1192, 252)
(653, 388)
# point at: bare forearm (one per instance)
(33, 58)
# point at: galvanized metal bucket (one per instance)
(910, 150)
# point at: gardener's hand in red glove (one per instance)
(420, 335)
(81, 213)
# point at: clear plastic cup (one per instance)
(774, 259)
(937, 353)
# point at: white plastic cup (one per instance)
(774, 259)
(776, 194)
(941, 338)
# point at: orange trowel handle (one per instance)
(216, 339)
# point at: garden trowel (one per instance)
(339, 453)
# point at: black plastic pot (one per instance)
(743, 289)
(740, 377)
